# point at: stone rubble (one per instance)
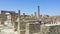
(4, 29)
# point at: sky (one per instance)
(47, 7)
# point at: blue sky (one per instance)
(47, 7)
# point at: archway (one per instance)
(3, 13)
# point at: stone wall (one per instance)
(54, 29)
(51, 29)
(34, 28)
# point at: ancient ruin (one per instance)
(27, 24)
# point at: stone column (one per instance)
(13, 19)
(35, 14)
(27, 28)
(3, 17)
(19, 13)
(18, 29)
(23, 14)
(38, 10)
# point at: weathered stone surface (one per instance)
(52, 29)
(34, 28)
